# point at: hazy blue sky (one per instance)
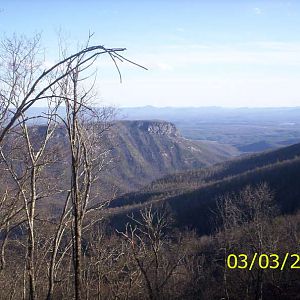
(199, 53)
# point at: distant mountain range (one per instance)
(213, 113)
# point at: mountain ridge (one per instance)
(192, 196)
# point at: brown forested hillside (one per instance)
(193, 195)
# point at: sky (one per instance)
(198, 53)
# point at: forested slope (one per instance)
(192, 195)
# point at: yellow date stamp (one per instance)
(263, 261)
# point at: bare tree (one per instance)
(24, 82)
(29, 180)
(245, 219)
(150, 247)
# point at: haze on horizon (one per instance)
(199, 53)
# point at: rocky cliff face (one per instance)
(156, 127)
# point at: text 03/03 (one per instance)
(263, 261)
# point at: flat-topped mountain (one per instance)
(146, 150)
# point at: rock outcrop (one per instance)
(157, 127)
